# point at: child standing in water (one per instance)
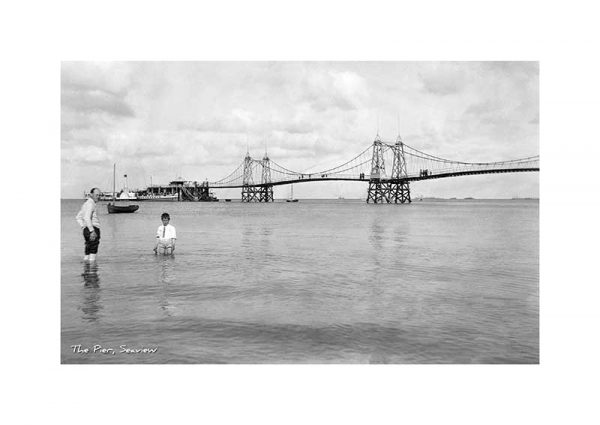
(165, 236)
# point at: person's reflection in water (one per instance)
(166, 277)
(91, 305)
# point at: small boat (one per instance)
(227, 200)
(113, 208)
(291, 198)
(116, 209)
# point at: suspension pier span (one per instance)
(257, 177)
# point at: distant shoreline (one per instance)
(414, 199)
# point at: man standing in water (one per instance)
(88, 220)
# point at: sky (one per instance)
(162, 120)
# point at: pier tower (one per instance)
(377, 188)
(257, 192)
(400, 190)
(250, 193)
(266, 194)
(393, 189)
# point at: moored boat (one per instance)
(116, 209)
(112, 207)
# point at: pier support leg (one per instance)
(376, 191)
(390, 191)
(266, 194)
(249, 194)
(257, 193)
(402, 193)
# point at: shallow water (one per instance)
(307, 282)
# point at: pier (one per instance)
(177, 190)
(257, 177)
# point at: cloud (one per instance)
(74, 123)
(85, 155)
(111, 77)
(87, 101)
(93, 95)
(443, 78)
(237, 120)
(343, 90)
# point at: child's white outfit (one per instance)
(165, 234)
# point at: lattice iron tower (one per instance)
(250, 193)
(259, 192)
(376, 192)
(400, 189)
(381, 188)
(266, 192)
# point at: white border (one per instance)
(36, 37)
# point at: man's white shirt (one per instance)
(87, 216)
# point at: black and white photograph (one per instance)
(300, 212)
(315, 212)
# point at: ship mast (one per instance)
(114, 176)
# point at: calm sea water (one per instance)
(310, 282)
